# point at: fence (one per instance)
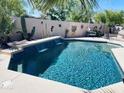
(47, 28)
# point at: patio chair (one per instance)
(91, 34)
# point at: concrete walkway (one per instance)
(119, 55)
(115, 88)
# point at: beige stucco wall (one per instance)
(43, 27)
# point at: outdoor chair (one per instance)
(91, 34)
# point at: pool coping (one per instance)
(7, 55)
(10, 52)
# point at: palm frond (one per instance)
(47, 4)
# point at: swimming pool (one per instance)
(88, 65)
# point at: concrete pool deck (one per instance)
(114, 88)
(15, 82)
(4, 60)
(119, 55)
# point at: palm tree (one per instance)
(47, 4)
(100, 18)
(76, 10)
(110, 17)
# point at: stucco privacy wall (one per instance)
(45, 28)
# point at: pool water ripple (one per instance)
(82, 64)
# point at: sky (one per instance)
(104, 4)
(111, 4)
(29, 9)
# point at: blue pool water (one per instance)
(86, 65)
